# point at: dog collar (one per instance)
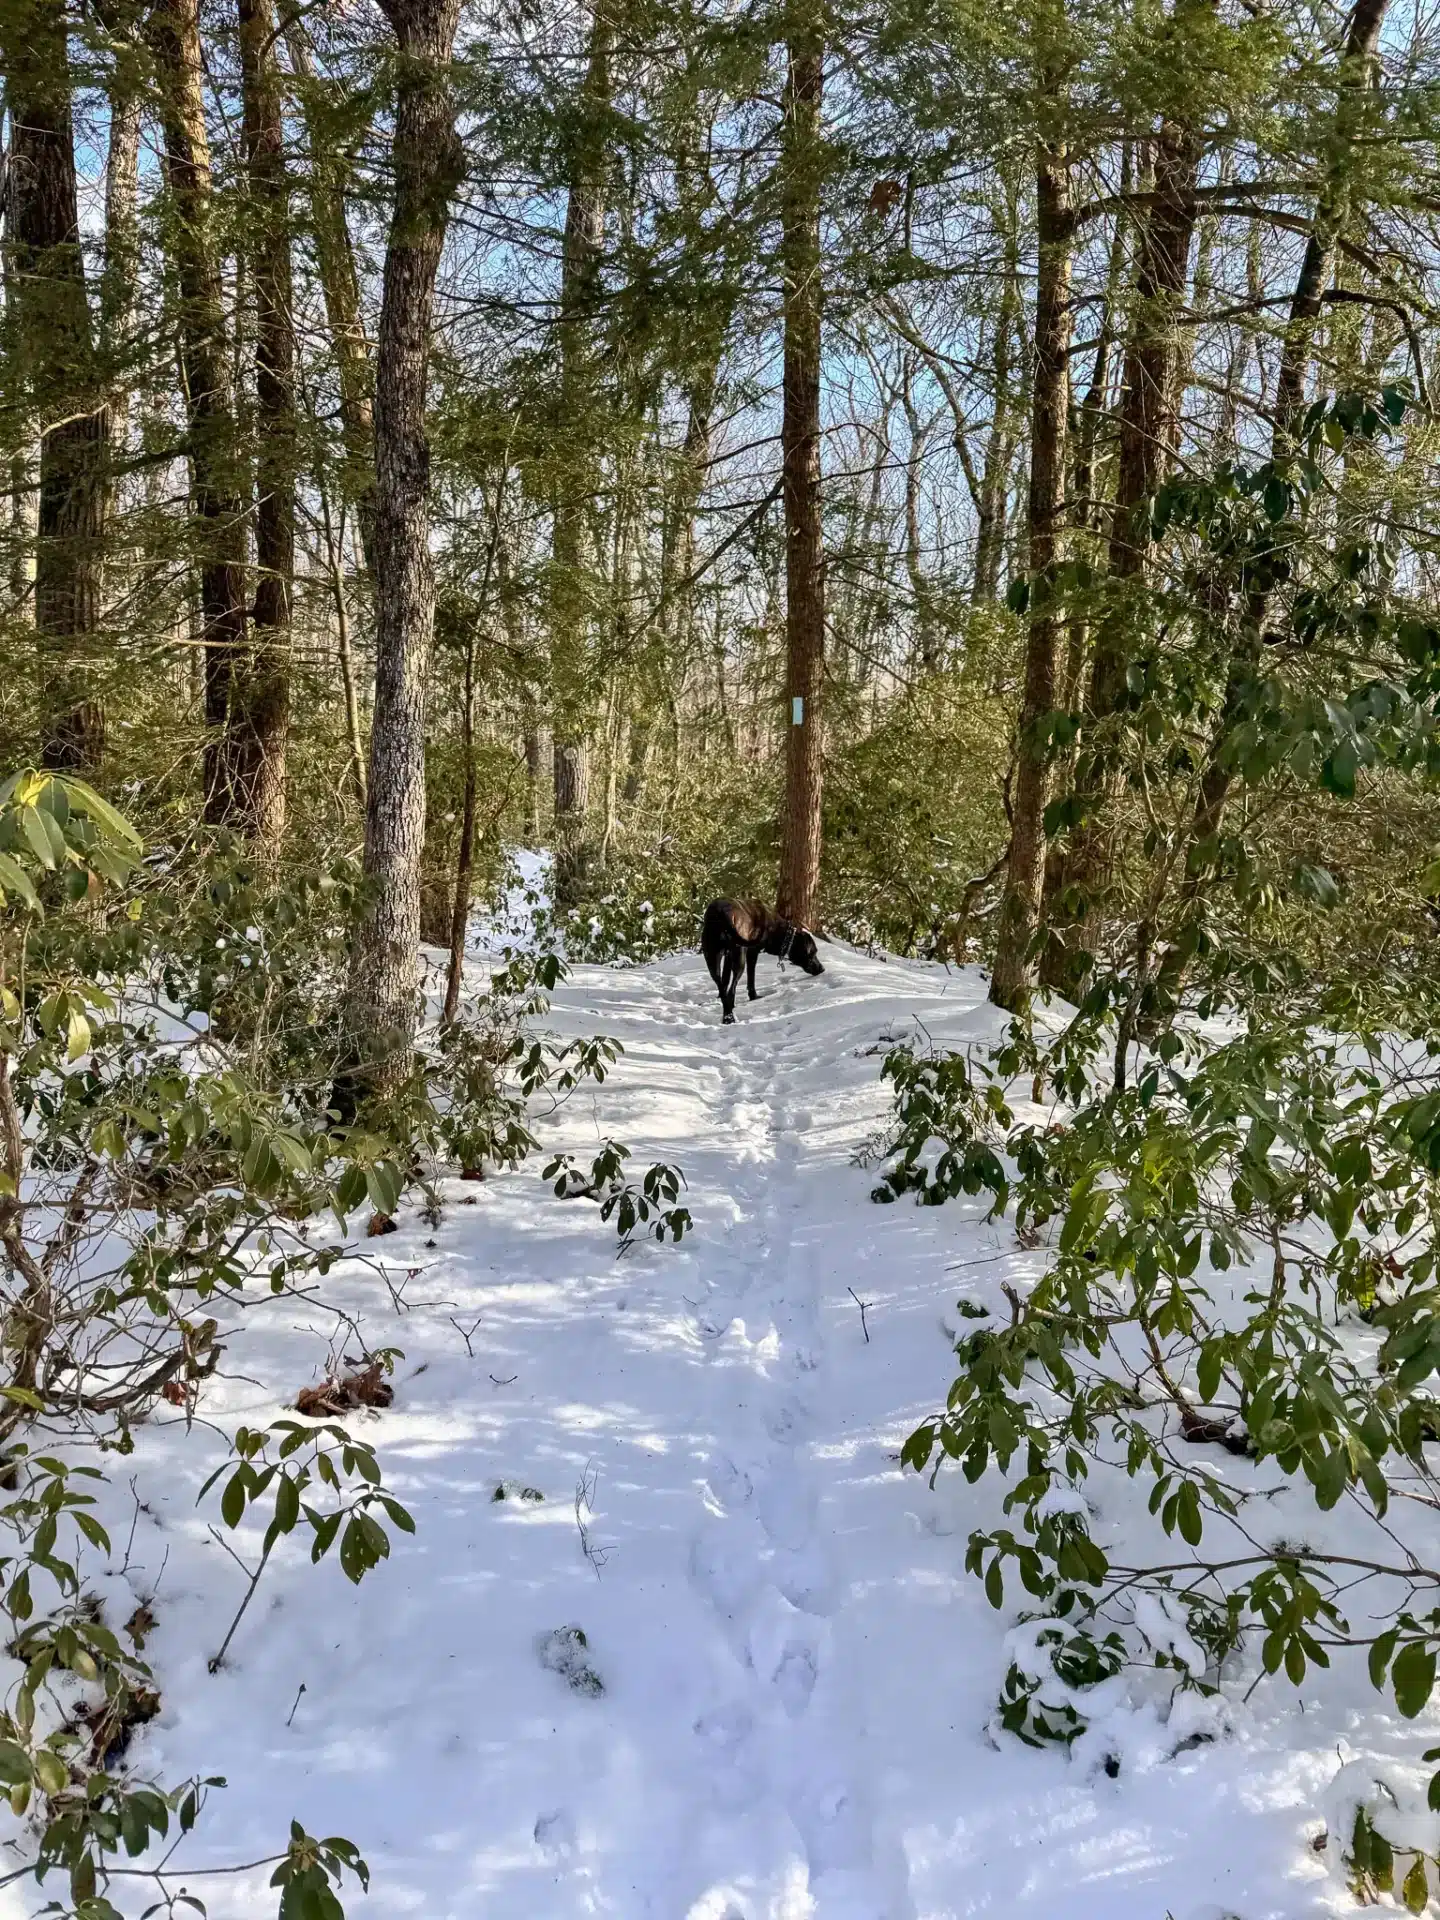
(789, 942)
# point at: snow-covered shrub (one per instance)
(150, 1167)
(1383, 1833)
(647, 1211)
(1212, 1231)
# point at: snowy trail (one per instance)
(797, 1669)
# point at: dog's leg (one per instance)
(752, 954)
(727, 988)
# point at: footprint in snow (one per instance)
(728, 1485)
(725, 1733)
(784, 1422)
(785, 1649)
(727, 1559)
(725, 1728)
(787, 1512)
(794, 1679)
(805, 1580)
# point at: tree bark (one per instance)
(1332, 209)
(465, 858)
(120, 278)
(797, 897)
(1086, 516)
(216, 480)
(1149, 411)
(929, 643)
(259, 731)
(340, 289)
(1011, 982)
(999, 445)
(428, 164)
(54, 343)
(571, 692)
(334, 551)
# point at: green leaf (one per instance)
(1188, 1515)
(1340, 769)
(1416, 1891)
(287, 1504)
(232, 1501)
(1317, 884)
(33, 826)
(14, 1765)
(14, 879)
(1381, 1654)
(85, 800)
(78, 1032)
(291, 1153)
(1331, 1479)
(1413, 1678)
(1208, 1371)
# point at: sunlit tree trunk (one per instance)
(1000, 442)
(340, 289)
(259, 730)
(52, 337)
(1148, 421)
(800, 823)
(119, 282)
(428, 163)
(570, 665)
(1013, 975)
(1333, 206)
(216, 478)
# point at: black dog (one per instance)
(735, 927)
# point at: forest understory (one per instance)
(492, 1418)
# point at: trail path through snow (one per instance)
(797, 1670)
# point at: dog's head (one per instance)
(802, 952)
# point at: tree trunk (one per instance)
(1332, 209)
(334, 550)
(928, 639)
(428, 163)
(1356, 78)
(259, 732)
(340, 289)
(534, 772)
(797, 897)
(215, 471)
(52, 338)
(999, 446)
(571, 692)
(1011, 980)
(1148, 419)
(465, 860)
(119, 282)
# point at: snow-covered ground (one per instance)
(797, 1670)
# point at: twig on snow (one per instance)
(585, 1505)
(466, 1337)
(863, 1306)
